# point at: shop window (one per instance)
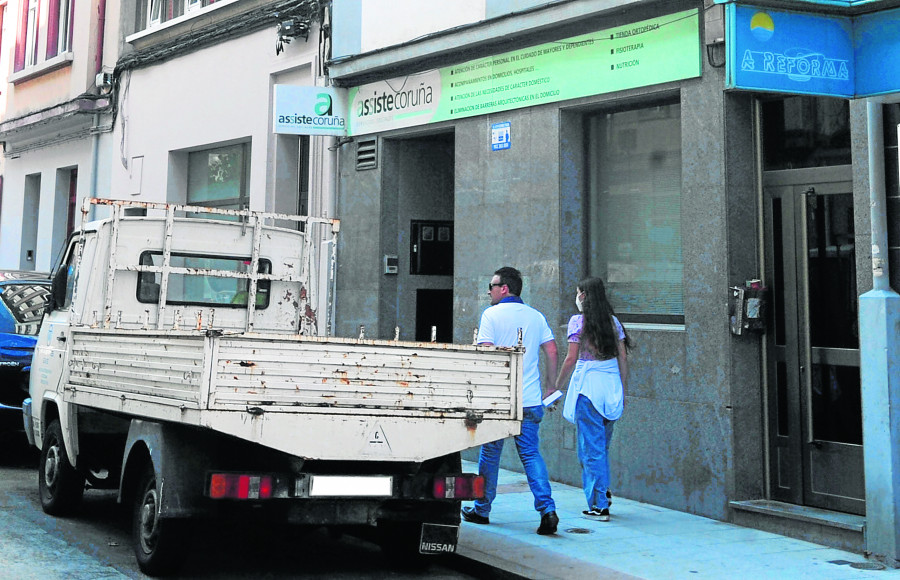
(218, 177)
(803, 132)
(633, 211)
(152, 13)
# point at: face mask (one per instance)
(578, 302)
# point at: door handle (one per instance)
(61, 338)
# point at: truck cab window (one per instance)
(201, 289)
(64, 281)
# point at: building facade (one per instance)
(180, 111)
(56, 121)
(730, 220)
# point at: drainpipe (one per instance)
(879, 319)
(101, 31)
(95, 130)
(95, 154)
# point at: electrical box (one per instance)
(103, 80)
(747, 307)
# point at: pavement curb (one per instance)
(490, 550)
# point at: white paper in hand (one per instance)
(552, 398)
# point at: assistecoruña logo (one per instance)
(323, 117)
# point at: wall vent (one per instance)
(366, 154)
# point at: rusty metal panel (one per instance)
(346, 376)
(138, 369)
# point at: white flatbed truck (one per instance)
(183, 362)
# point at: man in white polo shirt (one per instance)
(500, 324)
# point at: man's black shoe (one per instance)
(549, 521)
(468, 514)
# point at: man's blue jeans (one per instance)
(594, 434)
(528, 445)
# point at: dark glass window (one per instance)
(633, 211)
(806, 132)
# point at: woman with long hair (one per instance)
(596, 393)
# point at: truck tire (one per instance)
(61, 485)
(160, 544)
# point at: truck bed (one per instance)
(313, 397)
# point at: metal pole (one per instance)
(879, 317)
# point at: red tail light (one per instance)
(240, 486)
(464, 487)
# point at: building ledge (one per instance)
(830, 528)
(53, 125)
(58, 61)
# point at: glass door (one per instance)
(815, 417)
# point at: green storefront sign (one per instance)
(645, 53)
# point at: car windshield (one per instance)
(25, 301)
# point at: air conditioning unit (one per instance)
(104, 80)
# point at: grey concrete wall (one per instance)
(507, 211)
(746, 475)
(359, 254)
(418, 185)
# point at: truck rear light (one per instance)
(464, 487)
(240, 486)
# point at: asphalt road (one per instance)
(96, 543)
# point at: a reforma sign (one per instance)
(802, 53)
(877, 50)
(303, 110)
(780, 51)
(654, 51)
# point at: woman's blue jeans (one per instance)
(528, 445)
(594, 434)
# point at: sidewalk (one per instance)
(641, 541)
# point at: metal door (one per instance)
(815, 416)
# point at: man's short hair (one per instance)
(512, 278)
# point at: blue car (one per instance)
(23, 299)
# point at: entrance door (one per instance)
(815, 417)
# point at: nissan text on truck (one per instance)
(184, 362)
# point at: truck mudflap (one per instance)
(438, 539)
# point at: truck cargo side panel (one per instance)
(123, 372)
(428, 381)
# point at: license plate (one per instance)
(351, 486)
(438, 539)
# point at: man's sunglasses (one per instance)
(492, 285)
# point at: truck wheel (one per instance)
(160, 544)
(61, 486)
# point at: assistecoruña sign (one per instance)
(650, 52)
(301, 110)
